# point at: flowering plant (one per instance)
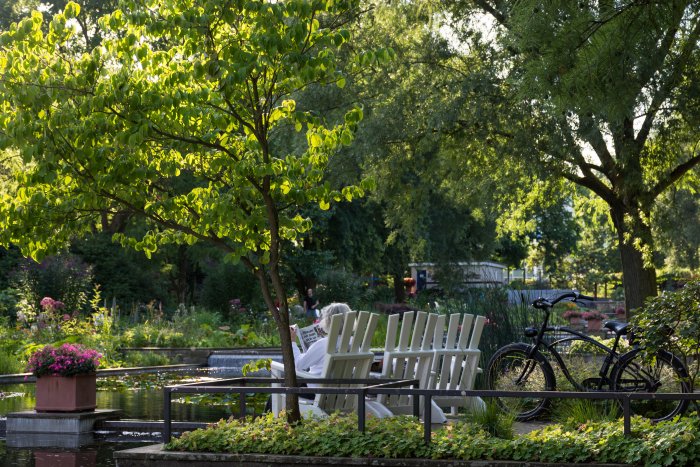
(595, 314)
(66, 360)
(571, 314)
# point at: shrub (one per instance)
(339, 286)
(334, 436)
(134, 359)
(65, 276)
(672, 321)
(674, 442)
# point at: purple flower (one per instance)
(66, 360)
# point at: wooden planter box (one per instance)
(575, 321)
(595, 324)
(66, 393)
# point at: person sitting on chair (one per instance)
(313, 359)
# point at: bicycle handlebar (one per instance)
(543, 303)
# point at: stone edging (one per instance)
(154, 456)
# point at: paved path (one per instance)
(522, 428)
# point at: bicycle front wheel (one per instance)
(665, 375)
(511, 369)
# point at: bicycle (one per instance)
(528, 367)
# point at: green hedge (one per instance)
(669, 443)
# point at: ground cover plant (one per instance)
(668, 443)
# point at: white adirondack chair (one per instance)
(410, 358)
(456, 359)
(348, 357)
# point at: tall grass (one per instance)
(575, 412)
(9, 363)
(494, 420)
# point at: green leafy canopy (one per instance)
(170, 117)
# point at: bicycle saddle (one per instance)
(620, 329)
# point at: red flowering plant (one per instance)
(66, 360)
(594, 314)
(571, 314)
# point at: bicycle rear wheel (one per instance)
(510, 369)
(665, 375)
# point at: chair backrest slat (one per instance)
(406, 326)
(408, 360)
(418, 330)
(479, 323)
(392, 328)
(348, 356)
(464, 331)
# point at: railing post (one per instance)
(242, 396)
(427, 418)
(626, 412)
(167, 395)
(361, 410)
(242, 402)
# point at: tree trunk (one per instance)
(281, 317)
(290, 375)
(638, 278)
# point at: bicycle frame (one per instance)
(611, 354)
(539, 345)
(618, 369)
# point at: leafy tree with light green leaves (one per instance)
(174, 117)
(14, 10)
(602, 93)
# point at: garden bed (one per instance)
(155, 456)
(396, 439)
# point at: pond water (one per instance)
(97, 455)
(138, 397)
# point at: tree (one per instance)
(603, 94)
(677, 220)
(435, 207)
(594, 261)
(14, 10)
(543, 213)
(174, 117)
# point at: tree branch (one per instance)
(674, 176)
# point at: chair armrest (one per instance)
(277, 370)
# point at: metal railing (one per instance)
(394, 387)
(225, 386)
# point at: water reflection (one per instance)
(141, 404)
(98, 455)
(52, 458)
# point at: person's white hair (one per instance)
(328, 311)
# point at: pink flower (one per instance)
(66, 360)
